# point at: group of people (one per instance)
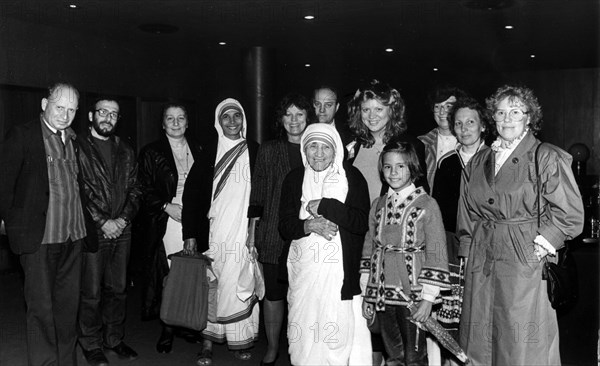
(364, 230)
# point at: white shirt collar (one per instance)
(403, 193)
(49, 126)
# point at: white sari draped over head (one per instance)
(237, 315)
(321, 325)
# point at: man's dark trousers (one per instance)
(51, 289)
(103, 304)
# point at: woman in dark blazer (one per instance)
(275, 159)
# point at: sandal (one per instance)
(204, 357)
(242, 355)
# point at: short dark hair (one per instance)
(443, 92)
(410, 154)
(471, 103)
(292, 99)
(387, 96)
(174, 105)
(525, 96)
(59, 85)
(102, 99)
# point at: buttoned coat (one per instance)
(507, 318)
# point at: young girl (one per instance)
(405, 255)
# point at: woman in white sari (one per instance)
(323, 212)
(237, 313)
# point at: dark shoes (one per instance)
(95, 357)
(123, 351)
(272, 363)
(165, 342)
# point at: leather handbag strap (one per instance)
(539, 194)
(539, 188)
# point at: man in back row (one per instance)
(325, 102)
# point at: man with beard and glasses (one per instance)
(112, 194)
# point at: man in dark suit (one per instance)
(112, 194)
(43, 213)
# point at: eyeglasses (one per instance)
(513, 115)
(442, 107)
(103, 113)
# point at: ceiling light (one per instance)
(508, 27)
(306, 65)
(389, 50)
(73, 6)
(435, 69)
(309, 17)
(222, 43)
(532, 56)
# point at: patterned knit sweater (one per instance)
(404, 249)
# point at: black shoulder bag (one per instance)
(561, 277)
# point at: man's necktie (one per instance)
(59, 134)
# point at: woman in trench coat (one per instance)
(507, 318)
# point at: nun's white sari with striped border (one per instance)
(237, 314)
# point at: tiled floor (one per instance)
(141, 336)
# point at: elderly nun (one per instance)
(324, 217)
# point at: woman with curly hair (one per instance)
(377, 116)
(507, 318)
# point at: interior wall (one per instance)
(571, 107)
(33, 56)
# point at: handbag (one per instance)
(560, 277)
(448, 315)
(185, 300)
(561, 280)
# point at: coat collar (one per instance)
(525, 147)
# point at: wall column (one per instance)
(259, 77)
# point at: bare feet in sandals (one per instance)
(242, 355)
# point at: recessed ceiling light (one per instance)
(509, 27)
(532, 56)
(309, 17)
(435, 69)
(389, 50)
(306, 65)
(73, 6)
(222, 43)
